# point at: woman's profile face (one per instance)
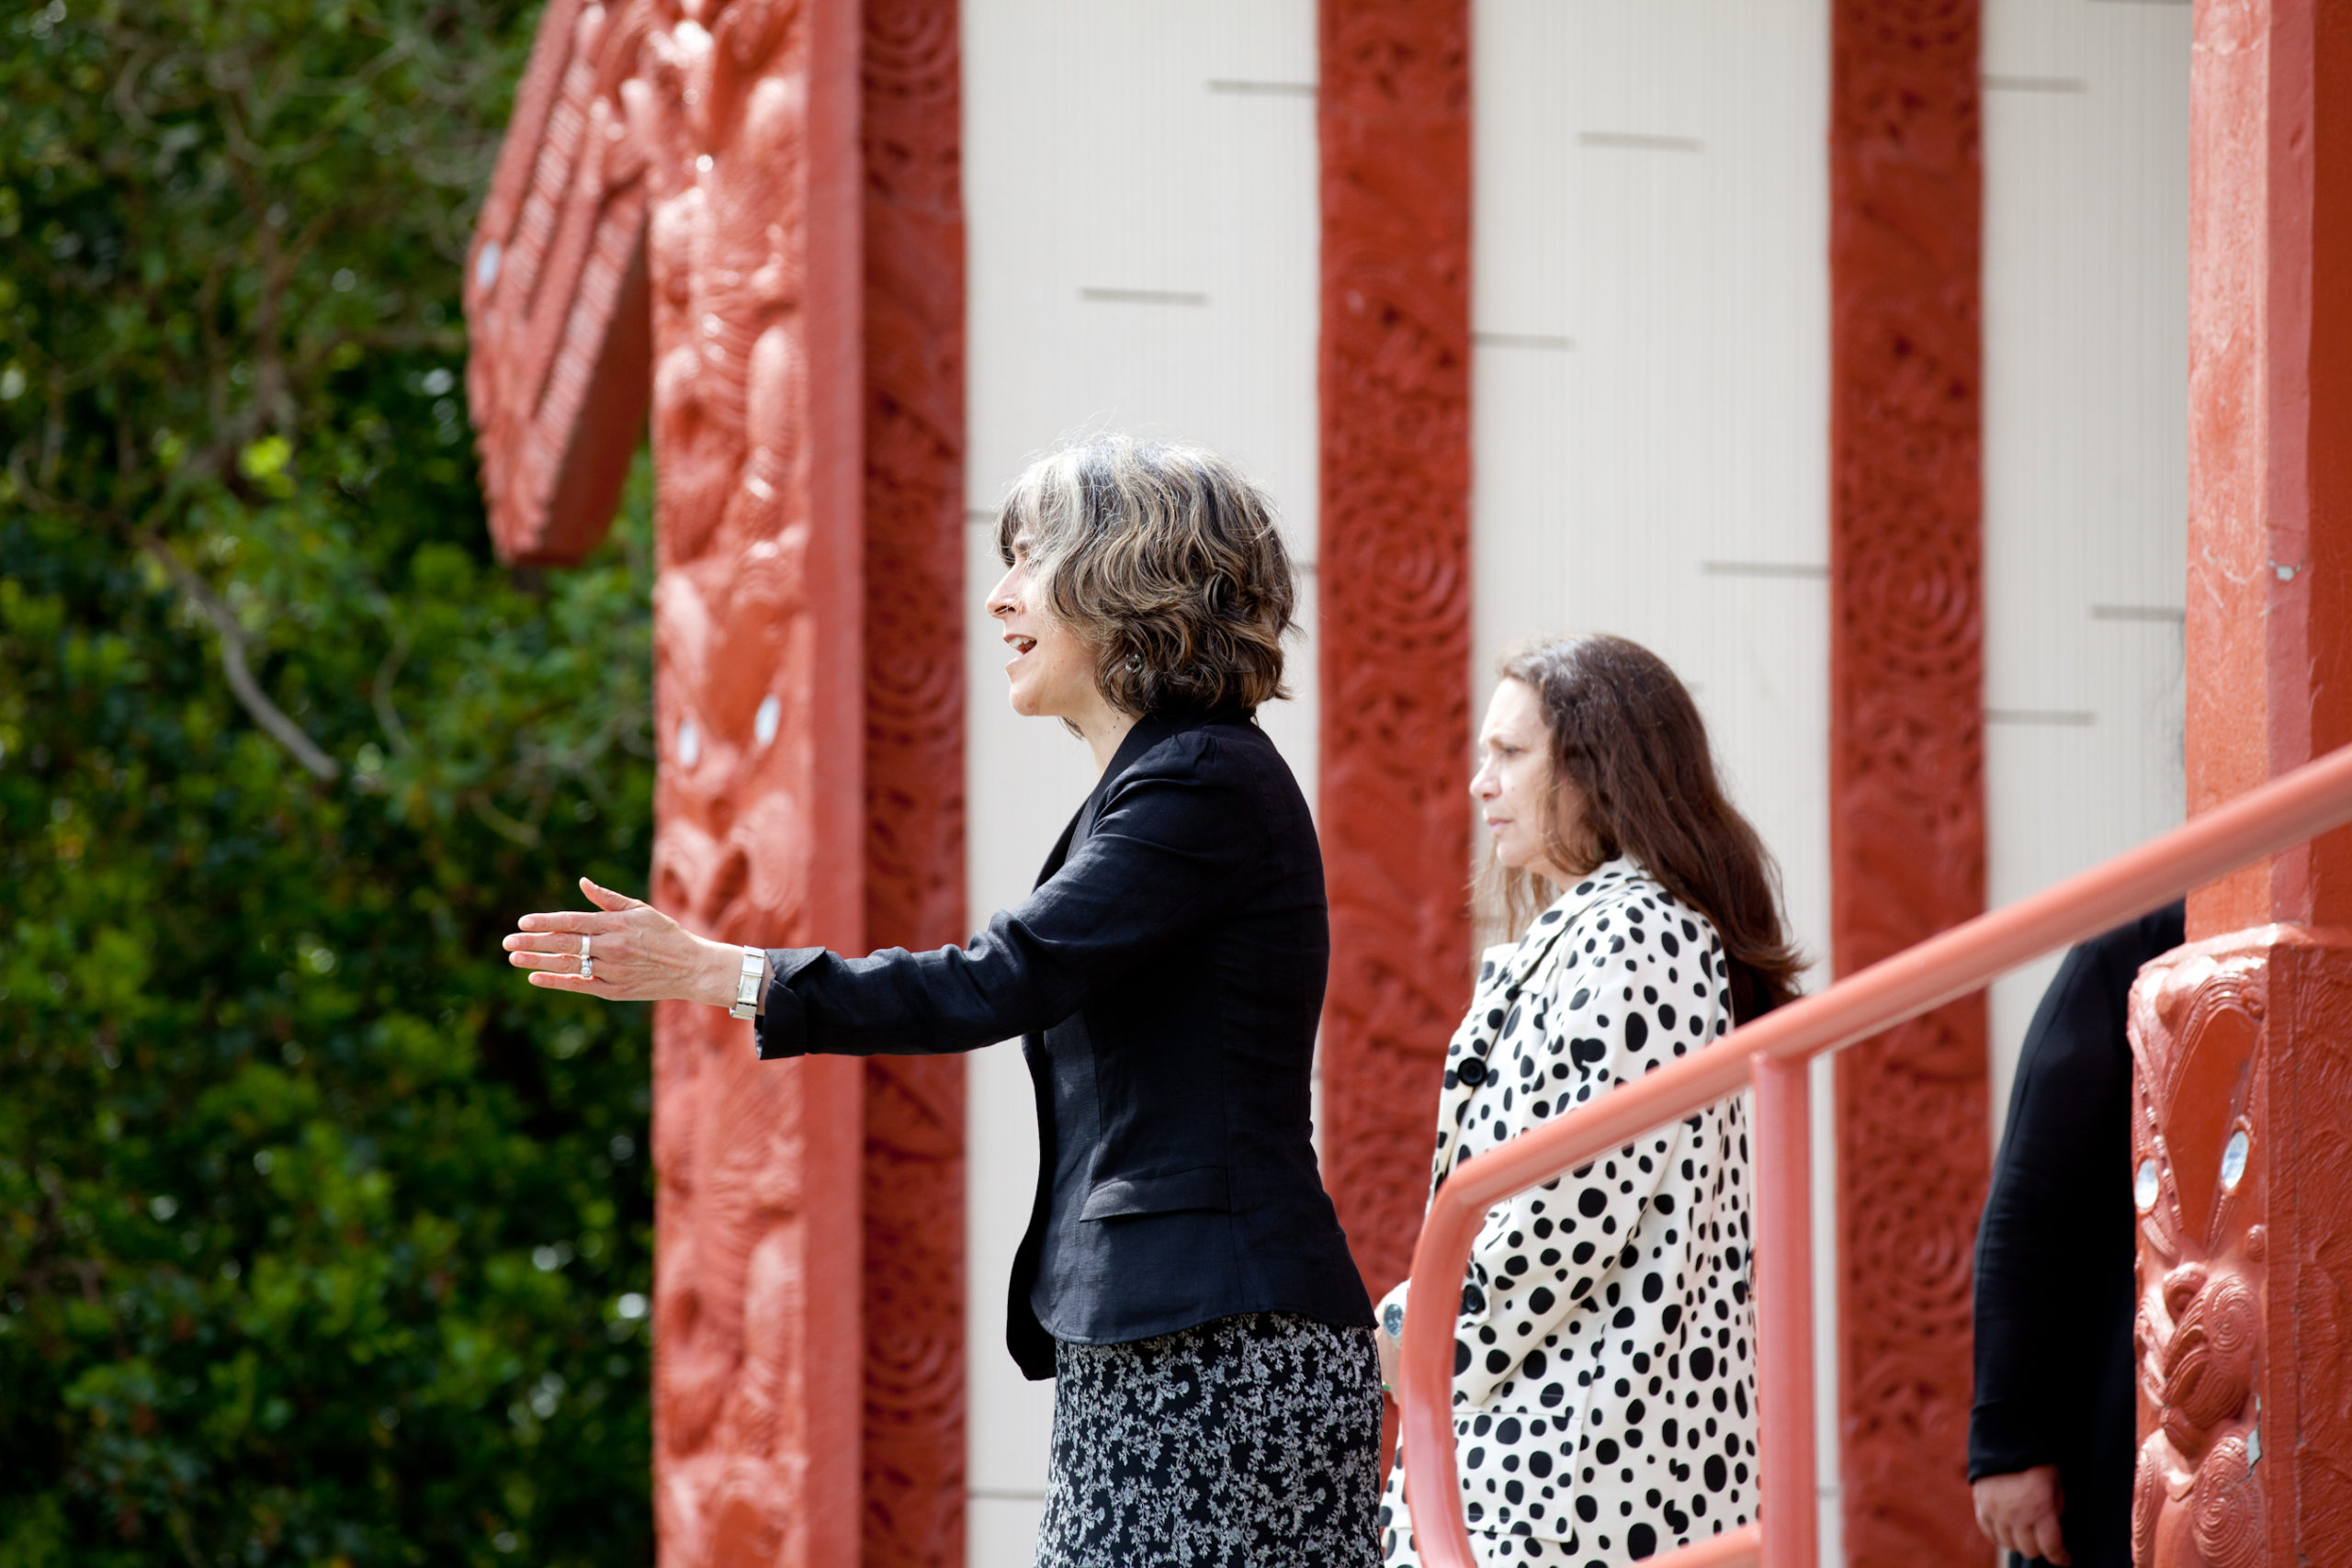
(1052, 671)
(1513, 785)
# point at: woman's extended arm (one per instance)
(1170, 838)
(1169, 845)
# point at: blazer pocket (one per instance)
(1203, 1187)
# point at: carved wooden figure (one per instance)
(2241, 1059)
(2200, 1084)
(743, 213)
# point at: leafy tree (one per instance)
(323, 1240)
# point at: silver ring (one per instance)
(587, 963)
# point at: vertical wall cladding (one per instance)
(1907, 825)
(1651, 401)
(1139, 186)
(1395, 382)
(914, 769)
(2085, 449)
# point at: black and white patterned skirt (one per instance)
(1249, 1442)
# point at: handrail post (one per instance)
(1783, 1257)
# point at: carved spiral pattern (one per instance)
(2226, 1507)
(2209, 1363)
(1907, 819)
(1395, 554)
(2148, 1500)
(914, 770)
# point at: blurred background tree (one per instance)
(323, 1240)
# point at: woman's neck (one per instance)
(1103, 727)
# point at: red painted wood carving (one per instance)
(2242, 1076)
(1394, 559)
(1907, 814)
(2270, 432)
(679, 212)
(556, 297)
(2243, 1042)
(914, 771)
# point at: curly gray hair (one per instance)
(1166, 561)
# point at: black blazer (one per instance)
(1166, 978)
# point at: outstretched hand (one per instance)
(639, 953)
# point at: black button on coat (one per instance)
(1166, 977)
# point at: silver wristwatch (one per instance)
(749, 984)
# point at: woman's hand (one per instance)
(639, 953)
(1388, 1335)
(2020, 1512)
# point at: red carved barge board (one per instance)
(1906, 766)
(1394, 117)
(681, 216)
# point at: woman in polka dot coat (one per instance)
(1604, 1390)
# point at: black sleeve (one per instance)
(1171, 840)
(2057, 1225)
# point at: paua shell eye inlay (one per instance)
(2144, 1185)
(2234, 1159)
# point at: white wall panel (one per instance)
(1651, 412)
(1140, 187)
(2085, 465)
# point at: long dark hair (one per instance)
(1626, 736)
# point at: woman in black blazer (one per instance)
(1185, 1276)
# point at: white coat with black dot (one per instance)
(1604, 1390)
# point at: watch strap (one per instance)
(749, 981)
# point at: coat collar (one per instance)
(1563, 912)
(1512, 967)
(1148, 732)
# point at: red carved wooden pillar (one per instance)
(1906, 808)
(748, 211)
(914, 770)
(2243, 1040)
(750, 127)
(1395, 557)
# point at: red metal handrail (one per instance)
(1773, 1052)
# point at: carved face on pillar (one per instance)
(2199, 1076)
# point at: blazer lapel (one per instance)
(1148, 731)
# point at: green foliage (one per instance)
(324, 1239)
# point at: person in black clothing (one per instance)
(2050, 1440)
(1184, 1277)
